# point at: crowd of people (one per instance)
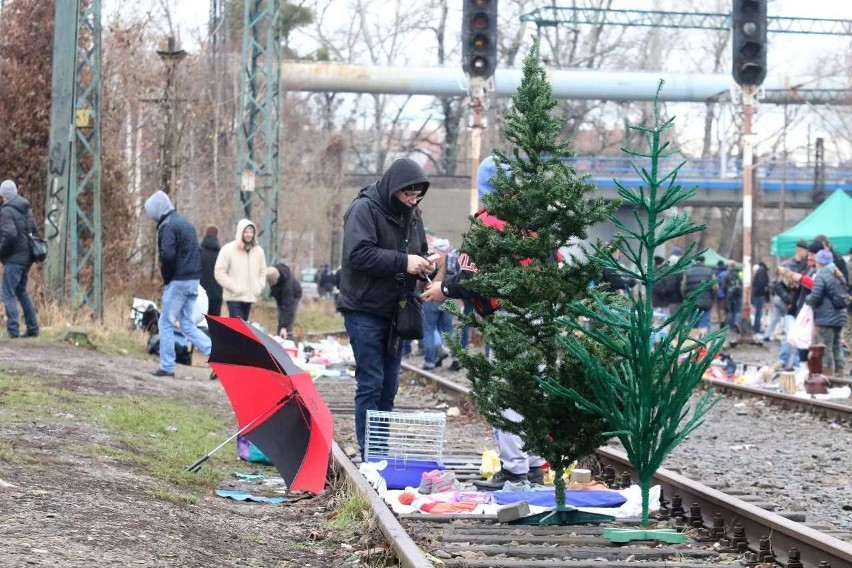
(389, 252)
(389, 255)
(235, 274)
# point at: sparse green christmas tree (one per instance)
(644, 391)
(545, 204)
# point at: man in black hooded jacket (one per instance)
(16, 222)
(384, 246)
(287, 292)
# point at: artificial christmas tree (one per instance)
(644, 390)
(543, 204)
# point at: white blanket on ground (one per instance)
(631, 509)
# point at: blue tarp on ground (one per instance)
(574, 498)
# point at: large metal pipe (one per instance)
(566, 83)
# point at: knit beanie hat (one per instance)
(8, 189)
(815, 246)
(824, 257)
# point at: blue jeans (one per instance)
(178, 302)
(376, 372)
(14, 289)
(239, 309)
(435, 323)
(703, 319)
(734, 307)
(758, 312)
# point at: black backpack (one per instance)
(840, 294)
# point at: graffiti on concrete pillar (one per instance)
(56, 161)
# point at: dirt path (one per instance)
(74, 507)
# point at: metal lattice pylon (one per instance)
(257, 136)
(73, 211)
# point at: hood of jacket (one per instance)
(158, 205)
(19, 203)
(402, 173)
(284, 272)
(210, 243)
(242, 224)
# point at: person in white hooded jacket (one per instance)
(241, 270)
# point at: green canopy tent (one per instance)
(712, 258)
(833, 218)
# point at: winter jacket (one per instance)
(614, 281)
(732, 285)
(241, 269)
(16, 222)
(820, 299)
(693, 278)
(286, 292)
(660, 293)
(180, 256)
(379, 232)
(760, 284)
(804, 289)
(209, 253)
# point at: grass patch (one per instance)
(166, 436)
(174, 497)
(111, 335)
(161, 436)
(352, 510)
(24, 398)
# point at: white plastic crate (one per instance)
(404, 436)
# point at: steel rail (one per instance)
(840, 412)
(813, 545)
(409, 554)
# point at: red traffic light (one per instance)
(480, 20)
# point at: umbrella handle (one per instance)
(197, 465)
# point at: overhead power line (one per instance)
(556, 15)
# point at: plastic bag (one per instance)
(490, 463)
(802, 332)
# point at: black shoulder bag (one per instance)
(408, 314)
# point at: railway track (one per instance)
(721, 527)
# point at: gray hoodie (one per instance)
(158, 205)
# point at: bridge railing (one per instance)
(708, 172)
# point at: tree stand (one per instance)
(627, 535)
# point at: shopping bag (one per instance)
(490, 463)
(802, 332)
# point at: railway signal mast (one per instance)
(479, 60)
(748, 47)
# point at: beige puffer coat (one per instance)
(241, 273)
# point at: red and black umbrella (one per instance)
(277, 406)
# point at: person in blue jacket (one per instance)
(180, 266)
